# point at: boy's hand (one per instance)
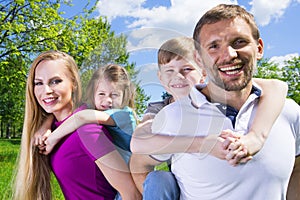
(237, 152)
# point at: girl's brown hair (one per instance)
(117, 75)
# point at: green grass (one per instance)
(9, 149)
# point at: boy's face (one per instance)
(178, 77)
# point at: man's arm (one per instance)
(293, 192)
(140, 167)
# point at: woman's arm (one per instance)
(118, 175)
(269, 107)
(74, 122)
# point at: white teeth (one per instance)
(232, 72)
(178, 86)
(49, 100)
(230, 68)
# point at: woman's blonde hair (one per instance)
(114, 74)
(32, 179)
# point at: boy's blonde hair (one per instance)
(176, 48)
(117, 75)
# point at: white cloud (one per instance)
(265, 10)
(281, 59)
(178, 19)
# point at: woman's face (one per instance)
(53, 88)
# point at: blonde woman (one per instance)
(85, 163)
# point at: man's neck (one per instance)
(235, 99)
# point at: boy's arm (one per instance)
(269, 107)
(145, 142)
(74, 122)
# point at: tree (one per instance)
(29, 27)
(289, 72)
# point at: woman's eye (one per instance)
(55, 82)
(38, 83)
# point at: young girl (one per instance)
(110, 94)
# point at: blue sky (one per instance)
(149, 23)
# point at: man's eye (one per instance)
(239, 43)
(213, 46)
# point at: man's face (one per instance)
(229, 53)
(178, 77)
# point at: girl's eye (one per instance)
(101, 94)
(114, 95)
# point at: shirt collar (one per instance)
(198, 99)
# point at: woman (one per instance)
(86, 164)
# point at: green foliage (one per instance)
(9, 150)
(289, 72)
(29, 27)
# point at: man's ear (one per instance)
(260, 49)
(198, 59)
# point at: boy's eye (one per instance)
(187, 69)
(169, 70)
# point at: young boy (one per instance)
(178, 73)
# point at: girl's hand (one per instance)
(50, 142)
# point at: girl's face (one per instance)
(53, 88)
(107, 95)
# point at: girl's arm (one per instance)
(74, 122)
(118, 175)
(269, 107)
(42, 131)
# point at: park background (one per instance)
(127, 32)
